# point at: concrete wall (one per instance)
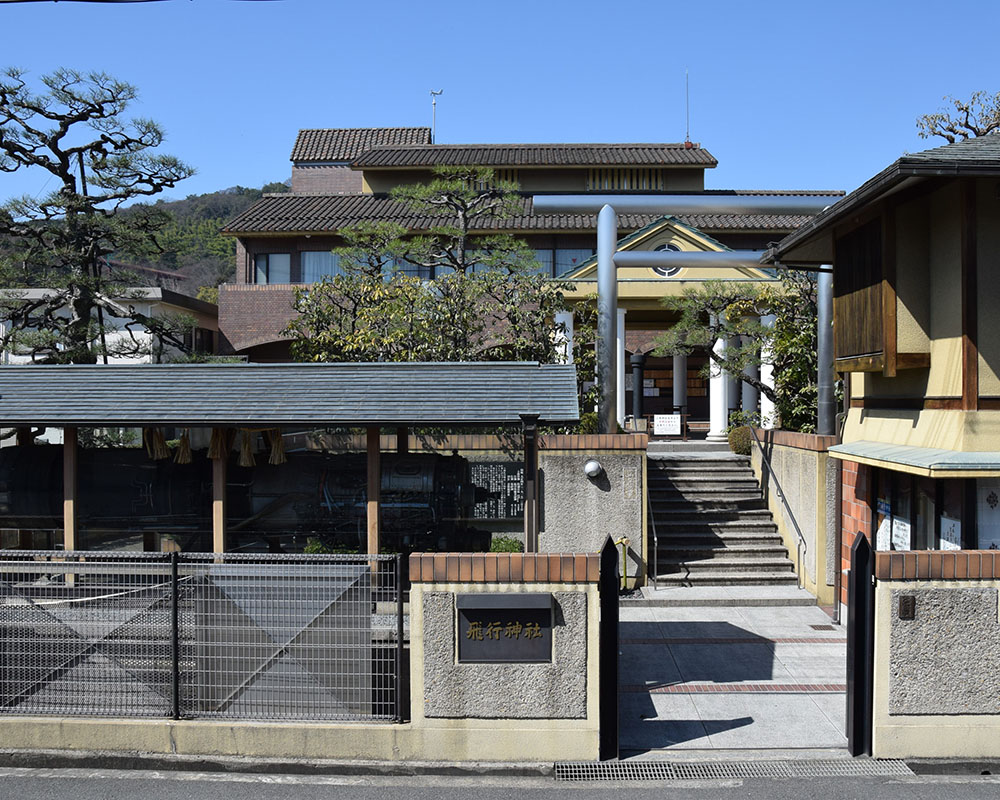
(935, 675)
(507, 712)
(579, 513)
(808, 477)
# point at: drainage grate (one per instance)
(721, 770)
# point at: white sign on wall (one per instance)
(882, 538)
(650, 391)
(900, 534)
(666, 424)
(951, 533)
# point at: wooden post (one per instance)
(69, 488)
(219, 504)
(402, 440)
(374, 487)
(530, 432)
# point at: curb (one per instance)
(61, 759)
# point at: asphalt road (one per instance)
(93, 784)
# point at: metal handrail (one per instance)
(656, 539)
(802, 547)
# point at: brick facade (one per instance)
(251, 315)
(856, 513)
(325, 179)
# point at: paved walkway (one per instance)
(747, 677)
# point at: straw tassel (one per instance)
(183, 454)
(246, 449)
(156, 444)
(219, 445)
(277, 447)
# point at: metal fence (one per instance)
(201, 635)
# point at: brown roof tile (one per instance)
(298, 213)
(535, 155)
(345, 144)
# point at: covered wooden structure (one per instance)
(369, 395)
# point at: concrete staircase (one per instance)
(713, 525)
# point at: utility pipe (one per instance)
(689, 258)
(607, 320)
(826, 406)
(694, 203)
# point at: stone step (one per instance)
(729, 579)
(708, 506)
(674, 526)
(701, 550)
(708, 476)
(683, 543)
(726, 564)
(720, 478)
(672, 494)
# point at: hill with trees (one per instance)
(190, 244)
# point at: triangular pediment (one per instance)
(668, 231)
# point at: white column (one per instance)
(620, 346)
(766, 377)
(718, 386)
(564, 338)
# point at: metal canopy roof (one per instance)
(287, 394)
(930, 462)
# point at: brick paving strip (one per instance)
(743, 640)
(744, 688)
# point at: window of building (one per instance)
(273, 268)
(567, 260)
(319, 264)
(666, 272)
(914, 513)
(634, 179)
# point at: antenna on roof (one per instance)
(434, 110)
(687, 107)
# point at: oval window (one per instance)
(666, 272)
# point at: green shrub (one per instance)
(740, 440)
(588, 422)
(506, 544)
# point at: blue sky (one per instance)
(786, 95)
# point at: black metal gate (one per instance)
(608, 656)
(860, 646)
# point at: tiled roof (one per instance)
(979, 149)
(287, 394)
(536, 155)
(345, 144)
(973, 157)
(297, 213)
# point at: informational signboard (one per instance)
(882, 537)
(666, 424)
(648, 383)
(951, 533)
(900, 534)
(504, 485)
(504, 628)
(650, 391)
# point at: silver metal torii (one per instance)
(608, 261)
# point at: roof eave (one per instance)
(876, 187)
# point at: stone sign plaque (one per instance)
(504, 628)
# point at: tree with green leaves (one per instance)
(474, 297)
(732, 312)
(74, 131)
(977, 116)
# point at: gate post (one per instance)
(860, 646)
(608, 656)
